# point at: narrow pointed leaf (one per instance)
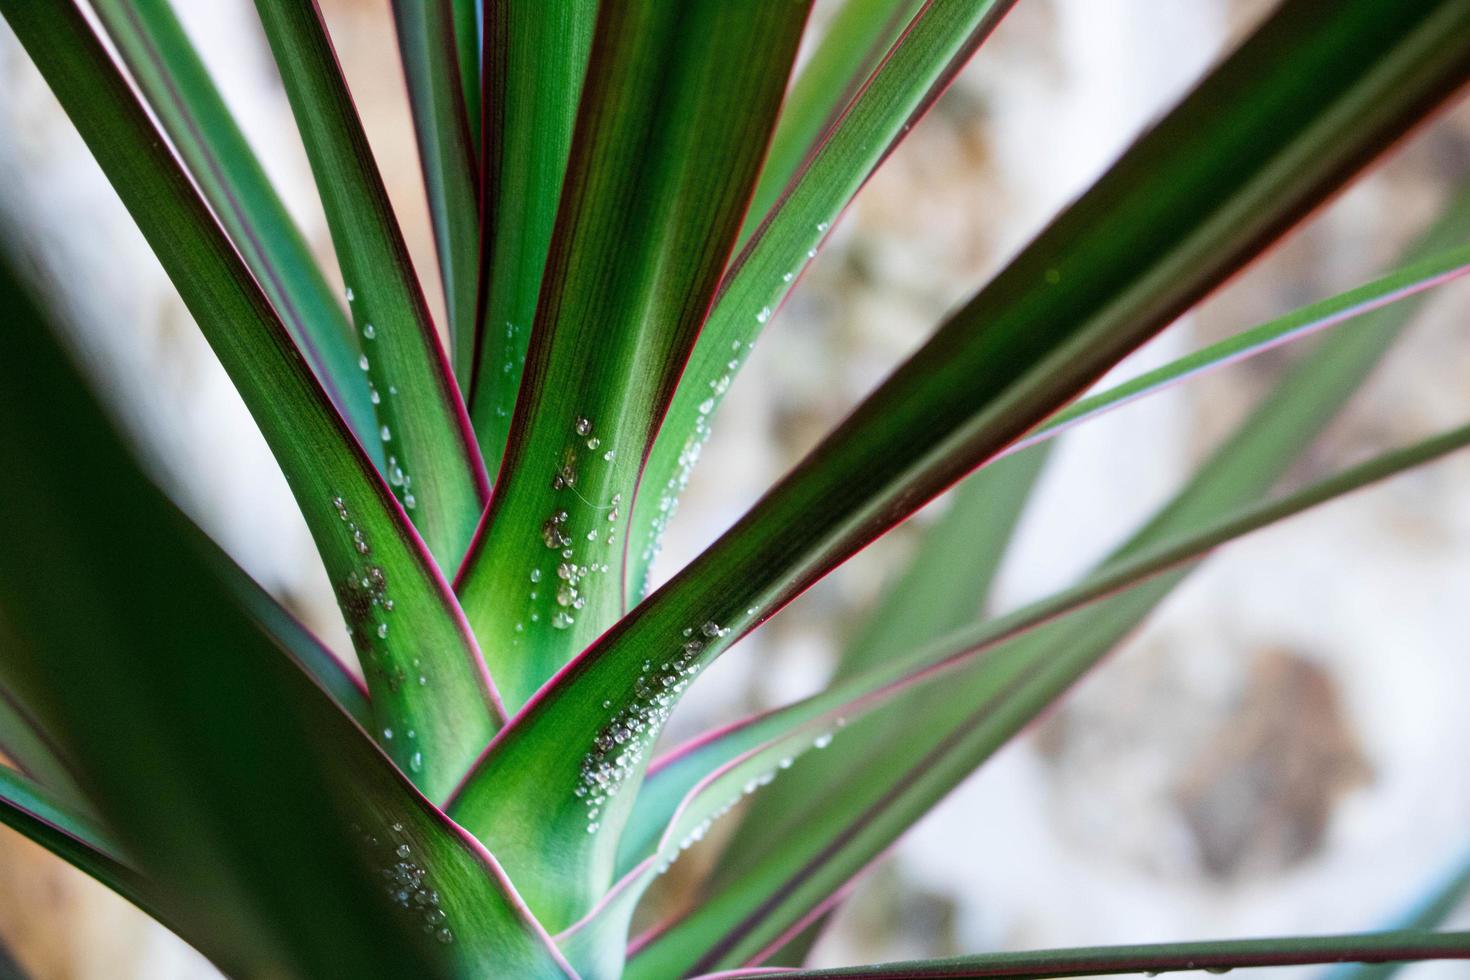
(266, 822)
(382, 573)
(536, 57)
(447, 151)
(940, 40)
(679, 103)
(467, 37)
(858, 37)
(1214, 957)
(179, 90)
(433, 464)
(881, 776)
(693, 785)
(1190, 202)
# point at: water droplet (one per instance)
(763, 315)
(374, 396)
(416, 761)
(788, 277)
(535, 575)
(388, 734)
(822, 226)
(350, 297)
(823, 740)
(385, 434)
(382, 630)
(362, 362)
(369, 331)
(583, 426)
(609, 455)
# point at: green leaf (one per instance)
(266, 822)
(296, 640)
(941, 38)
(1428, 911)
(430, 51)
(433, 464)
(679, 103)
(182, 95)
(380, 568)
(882, 776)
(857, 38)
(467, 37)
(535, 62)
(1217, 956)
(1280, 124)
(692, 787)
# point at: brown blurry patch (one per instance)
(1259, 794)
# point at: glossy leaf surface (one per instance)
(1194, 198)
(267, 823)
(432, 461)
(405, 621)
(679, 103)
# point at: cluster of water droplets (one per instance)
(558, 533)
(668, 500)
(622, 743)
(363, 595)
(512, 357)
(406, 882)
(398, 478)
(697, 833)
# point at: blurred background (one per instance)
(1282, 749)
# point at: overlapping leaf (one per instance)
(1225, 172)
(940, 39)
(432, 460)
(269, 826)
(430, 51)
(678, 106)
(537, 56)
(183, 96)
(421, 661)
(882, 775)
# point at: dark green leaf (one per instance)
(381, 571)
(266, 822)
(679, 103)
(1297, 109)
(941, 38)
(433, 464)
(696, 785)
(861, 799)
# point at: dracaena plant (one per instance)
(622, 192)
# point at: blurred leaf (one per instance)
(179, 90)
(679, 103)
(1297, 109)
(436, 89)
(26, 747)
(1217, 956)
(941, 39)
(692, 787)
(27, 808)
(433, 464)
(377, 563)
(883, 774)
(1428, 911)
(536, 57)
(319, 663)
(267, 823)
